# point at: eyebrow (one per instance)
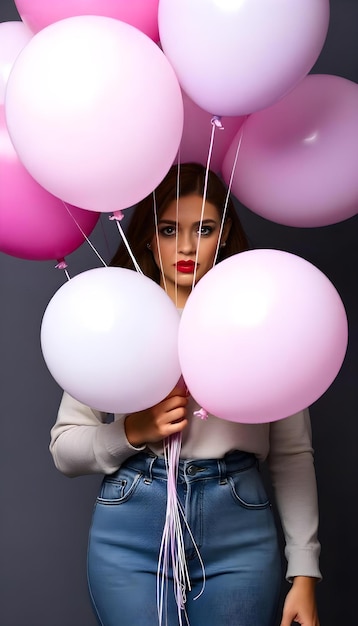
(174, 222)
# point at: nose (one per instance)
(187, 242)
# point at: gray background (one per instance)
(44, 516)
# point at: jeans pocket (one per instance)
(119, 487)
(248, 489)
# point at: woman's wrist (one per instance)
(133, 433)
(305, 581)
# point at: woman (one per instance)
(219, 484)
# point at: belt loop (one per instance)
(150, 462)
(222, 472)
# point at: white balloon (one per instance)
(109, 337)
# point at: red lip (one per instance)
(185, 267)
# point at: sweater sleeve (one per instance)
(291, 467)
(82, 443)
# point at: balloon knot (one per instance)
(202, 414)
(61, 265)
(117, 215)
(216, 121)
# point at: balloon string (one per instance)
(105, 237)
(202, 412)
(237, 152)
(157, 240)
(215, 123)
(84, 234)
(228, 192)
(172, 548)
(177, 229)
(117, 219)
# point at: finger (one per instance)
(173, 403)
(176, 426)
(176, 415)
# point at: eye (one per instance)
(205, 231)
(168, 231)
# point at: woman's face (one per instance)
(178, 238)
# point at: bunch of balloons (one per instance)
(98, 98)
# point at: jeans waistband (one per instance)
(153, 466)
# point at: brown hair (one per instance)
(191, 180)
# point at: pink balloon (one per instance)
(297, 162)
(143, 14)
(13, 37)
(95, 112)
(109, 337)
(234, 58)
(34, 224)
(263, 335)
(197, 131)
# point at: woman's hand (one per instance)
(300, 604)
(158, 422)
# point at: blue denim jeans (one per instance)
(231, 521)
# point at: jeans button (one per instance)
(191, 470)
